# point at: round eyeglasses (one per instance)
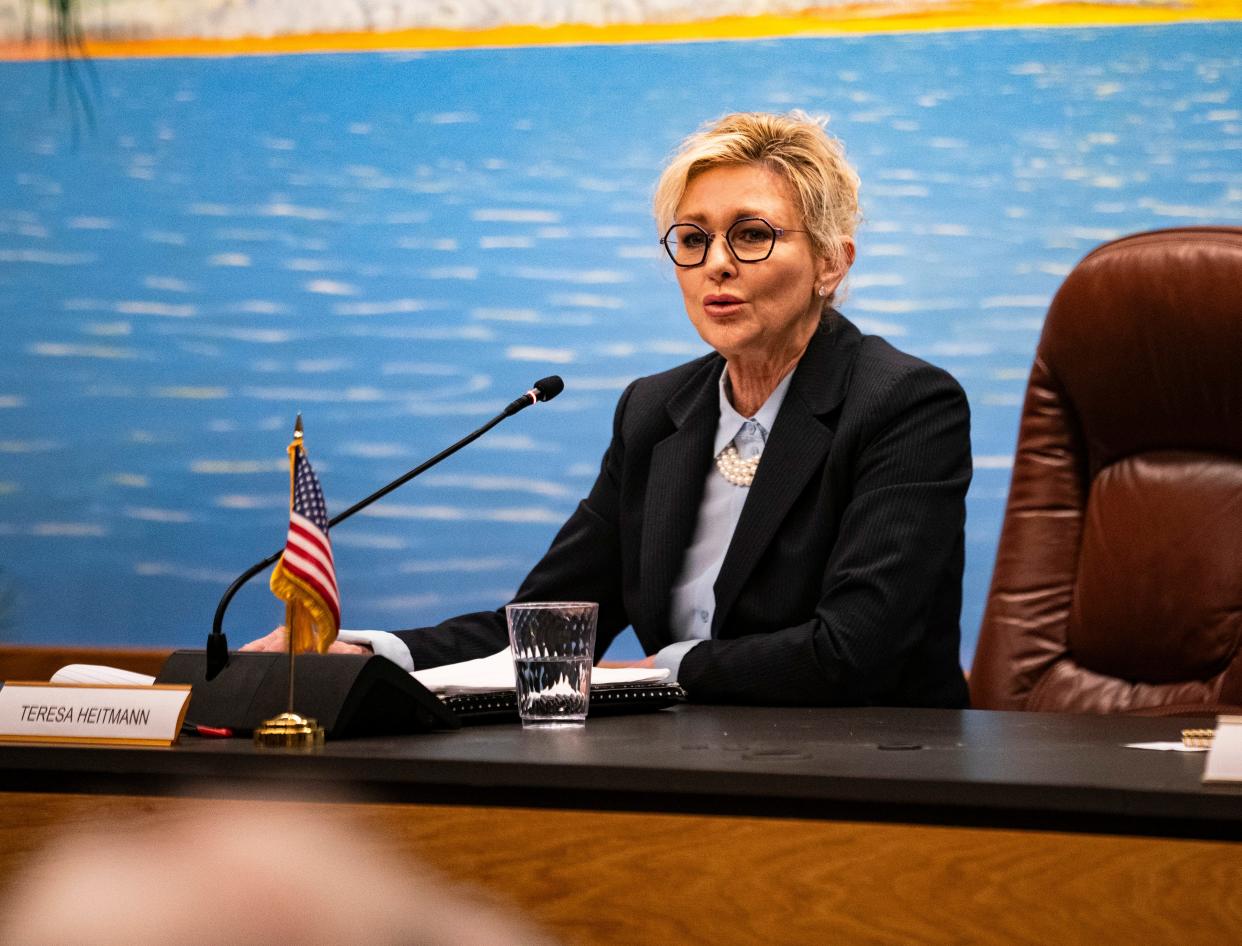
(751, 240)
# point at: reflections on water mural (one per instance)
(396, 244)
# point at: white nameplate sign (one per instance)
(104, 715)
(1224, 761)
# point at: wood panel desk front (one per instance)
(728, 825)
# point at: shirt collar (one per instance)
(731, 421)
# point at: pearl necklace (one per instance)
(733, 468)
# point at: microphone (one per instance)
(544, 390)
(217, 643)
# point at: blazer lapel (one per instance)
(795, 451)
(674, 490)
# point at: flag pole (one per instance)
(291, 616)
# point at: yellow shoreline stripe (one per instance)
(859, 19)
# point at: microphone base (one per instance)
(350, 695)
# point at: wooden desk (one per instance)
(726, 825)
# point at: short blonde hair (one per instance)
(795, 146)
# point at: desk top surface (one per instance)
(940, 766)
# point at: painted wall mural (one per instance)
(396, 242)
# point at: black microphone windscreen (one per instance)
(550, 387)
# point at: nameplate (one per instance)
(94, 714)
(1224, 761)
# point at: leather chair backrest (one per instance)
(1118, 578)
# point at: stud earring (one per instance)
(822, 292)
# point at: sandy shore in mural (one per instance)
(126, 28)
(229, 19)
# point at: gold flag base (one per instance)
(289, 731)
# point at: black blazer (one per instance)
(842, 584)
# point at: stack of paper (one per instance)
(496, 673)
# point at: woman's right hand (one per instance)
(277, 642)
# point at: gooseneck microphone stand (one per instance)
(217, 643)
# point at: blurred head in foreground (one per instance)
(241, 879)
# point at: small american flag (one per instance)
(306, 573)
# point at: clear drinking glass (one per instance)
(553, 646)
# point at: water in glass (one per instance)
(553, 690)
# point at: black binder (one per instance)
(607, 699)
(348, 694)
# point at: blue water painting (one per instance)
(397, 244)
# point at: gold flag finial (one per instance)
(297, 427)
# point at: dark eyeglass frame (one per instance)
(777, 233)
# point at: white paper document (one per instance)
(97, 674)
(496, 673)
(1166, 746)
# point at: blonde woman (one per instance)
(780, 521)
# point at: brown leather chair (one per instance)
(1118, 579)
